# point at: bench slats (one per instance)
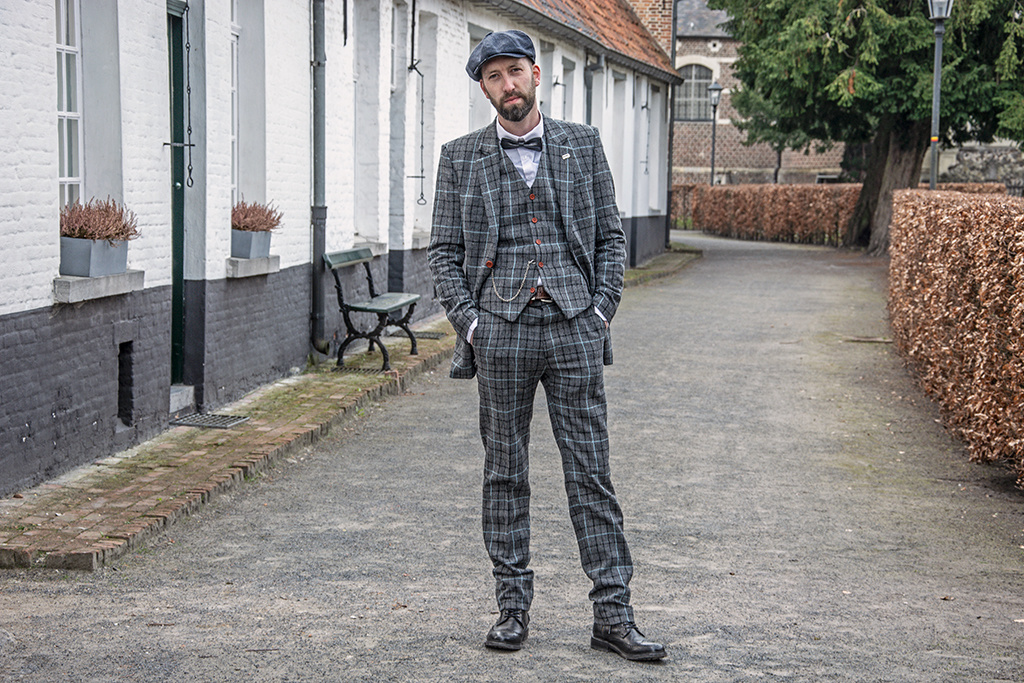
(385, 303)
(348, 257)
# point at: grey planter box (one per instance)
(246, 244)
(92, 258)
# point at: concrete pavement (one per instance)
(795, 513)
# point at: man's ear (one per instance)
(536, 75)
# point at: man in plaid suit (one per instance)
(527, 254)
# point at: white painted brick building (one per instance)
(89, 365)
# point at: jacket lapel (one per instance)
(488, 164)
(561, 159)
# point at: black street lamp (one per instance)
(940, 11)
(715, 95)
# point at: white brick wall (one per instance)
(146, 161)
(340, 142)
(29, 216)
(289, 119)
(217, 34)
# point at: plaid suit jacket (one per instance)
(467, 206)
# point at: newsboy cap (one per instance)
(499, 44)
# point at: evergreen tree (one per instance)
(860, 72)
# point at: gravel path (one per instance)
(794, 509)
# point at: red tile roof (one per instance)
(611, 24)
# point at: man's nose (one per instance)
(508, 85)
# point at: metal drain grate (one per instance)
(214, 421)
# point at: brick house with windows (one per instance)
(704, 53)
(178, 108)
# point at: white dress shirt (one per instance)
(525, 160)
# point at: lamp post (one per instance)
(715, 94)
(939, 12)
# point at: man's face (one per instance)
(510, 83)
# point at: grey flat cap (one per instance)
(500, 44)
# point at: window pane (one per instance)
(60, 82)
(58, 15)
(73, 192)
(693, 102)
(69, 25)
(62, 171)
(71, 74)
(72, 148)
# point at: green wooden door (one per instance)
(176, 49)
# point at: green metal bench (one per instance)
(387, 307)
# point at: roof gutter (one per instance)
(546, 23)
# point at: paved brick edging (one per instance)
(46, 545)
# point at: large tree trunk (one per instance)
(907, 145)
(894, 163)
(858, 230)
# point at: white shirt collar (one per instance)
(535, 132)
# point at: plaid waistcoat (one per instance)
(532, 243)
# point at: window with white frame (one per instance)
(693, 102)
(69, 101)
(235, 33)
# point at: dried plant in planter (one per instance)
(254, 217)
(98, 220)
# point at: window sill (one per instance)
(68, 289)
(251, 267)
(376, 248)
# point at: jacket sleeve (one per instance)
(609, 239)
(446, 253)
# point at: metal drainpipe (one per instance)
(318, 211)
(671, 134)
(588, 84)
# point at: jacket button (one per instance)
(489, 264)
(533, 290)
(540, 265)
(534, 219)
(538, 241)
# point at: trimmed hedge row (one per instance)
(956, 305)
(805, 214)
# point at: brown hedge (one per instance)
(956, 304)
(806, 214)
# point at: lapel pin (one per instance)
(565, 156)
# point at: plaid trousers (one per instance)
(565, 356)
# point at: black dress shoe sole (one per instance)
(501, 645)
(598, 644)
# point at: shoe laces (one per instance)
(628, 626)
(516, 614)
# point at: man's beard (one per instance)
(516, 112)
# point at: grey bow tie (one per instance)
(536, 144)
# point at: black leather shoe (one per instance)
(626, 641)
(511, 630)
